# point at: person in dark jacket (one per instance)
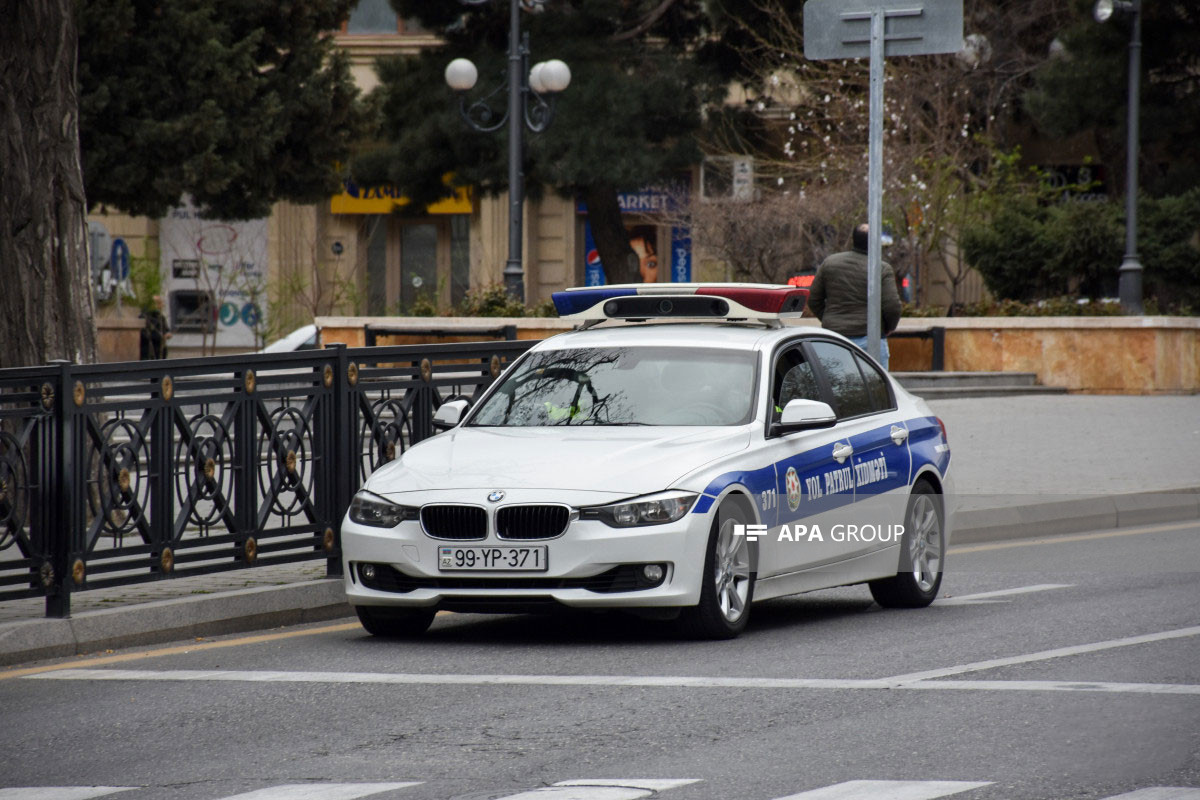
(838, 296)
(156, 331)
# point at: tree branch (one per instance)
(645, 24)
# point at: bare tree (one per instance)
(943, 116)
(46, 308)
(775, 236)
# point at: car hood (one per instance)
(623, 460)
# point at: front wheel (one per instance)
(922, 552)
(728, 582)
(396, 623)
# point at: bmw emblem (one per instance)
(496, 496)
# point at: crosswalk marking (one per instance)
(594, 789)
(653, 784)
(320, 791)
(997, 596)
(652, 681)
(1161, 793)
(602, 789)
(887, 790)
(60, 792)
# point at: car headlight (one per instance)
(651, 510)
(368, 508)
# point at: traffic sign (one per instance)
(842, 28)
(119, 259)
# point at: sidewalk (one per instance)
(1023, 467)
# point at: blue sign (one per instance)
(118, 260)
(681, 255)
(593, 270)
(250, 314)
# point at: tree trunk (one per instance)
(621, 264)
(46, 307)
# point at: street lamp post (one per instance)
(1130, 280)
(531, 97)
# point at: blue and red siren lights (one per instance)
(682, 300)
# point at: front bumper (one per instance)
(588, 548)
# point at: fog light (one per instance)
(368, 572)
(652, 573)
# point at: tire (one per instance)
(728, 580)
(396, 623)
(922, 553)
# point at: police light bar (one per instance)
(640, 301)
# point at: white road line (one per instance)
(1160, 793)
(60, 792)
(602, 789)
(320, 791)
(653, 784)
(1045, 655)
(887, 790)
(1058, 686)
(666, 682)
(994, 597)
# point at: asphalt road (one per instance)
(826, 697)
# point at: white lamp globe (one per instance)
(461, 74)
(535, 77)
(554, 75)
(1103, 10)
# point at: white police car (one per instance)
(687, 458)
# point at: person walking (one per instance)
(155, 332)
(838, 295)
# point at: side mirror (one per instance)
(803, 415)
(450, 414)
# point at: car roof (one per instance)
(674, 334)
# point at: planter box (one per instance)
(1102, 355)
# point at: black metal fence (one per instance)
(122, 473)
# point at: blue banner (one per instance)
(681, 255)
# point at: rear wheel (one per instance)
(395, 622)
(728, 583)
(922, 553)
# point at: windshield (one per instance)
(625, 386)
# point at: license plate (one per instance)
(493, 559)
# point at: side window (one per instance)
(793, 379)
(850, 396)
(877, 388)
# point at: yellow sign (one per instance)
(356, 199)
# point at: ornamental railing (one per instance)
(115, 474)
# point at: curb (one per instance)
(1074, 514)
(180, 618)
(265, 607)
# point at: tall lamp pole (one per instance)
(530, 103)
(1130, 281)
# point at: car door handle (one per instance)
(899, 435)
(841, 452)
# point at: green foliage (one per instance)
(629, 117)
(146, 279)
(238, 103)
(1027, 251)
(1169, 246)
(1050, 307)
(493, 301)
(490, 301)
(1086, 89)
